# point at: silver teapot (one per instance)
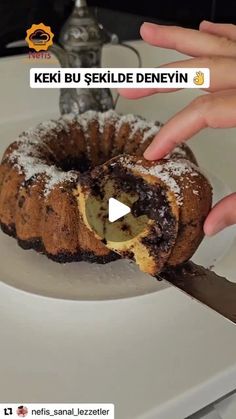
(81, 41)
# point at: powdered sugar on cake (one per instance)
(28, 156)
(167, 172)
(32, 167)
(137, 124)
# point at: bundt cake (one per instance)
(44, 171)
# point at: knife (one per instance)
(205, 286)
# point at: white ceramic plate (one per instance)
(161, 355)
(85, 281)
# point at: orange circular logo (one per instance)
(39, 37)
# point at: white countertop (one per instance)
(160, 355)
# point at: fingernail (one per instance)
(148, 153)
(206, 21)
(149, 24)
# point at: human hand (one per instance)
(214, 47)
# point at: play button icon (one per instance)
(115, 214)
(117, 210)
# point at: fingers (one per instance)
(187, 41)
(222, 215)
(223, 68)
(220, 29)
(222, 73)
(215, 110)
(139, 93)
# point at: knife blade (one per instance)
(206, 286)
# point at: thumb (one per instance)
(222, 215)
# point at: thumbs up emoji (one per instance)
(199, 78)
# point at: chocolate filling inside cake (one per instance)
(153, 203)
(150, 223)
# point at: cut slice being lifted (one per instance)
(169, 201)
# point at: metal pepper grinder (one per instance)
(81, 41)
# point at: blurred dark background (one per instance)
(121, 17)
